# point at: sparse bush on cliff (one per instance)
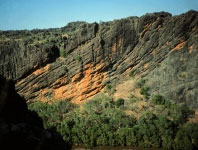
(145, 91)
(158, 100)
(108, 86)
(78, 58)
(131, 74)
(110, 89)
(63, 53)
(140, 82)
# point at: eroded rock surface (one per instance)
(158, 46)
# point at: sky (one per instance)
(40, 14)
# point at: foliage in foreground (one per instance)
(102, 121)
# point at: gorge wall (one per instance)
(77, 61)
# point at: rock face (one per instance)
(158, 46)
(21, 128)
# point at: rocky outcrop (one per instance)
(157, 46)
(21, 128)
(18, 59)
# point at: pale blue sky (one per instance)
(31, 14)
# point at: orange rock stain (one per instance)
(191, 48)
(41, 70)
(159, 26)
(179, 46)
(146, 28)
(146, 65)
(80, 87)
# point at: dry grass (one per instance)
(126, 88)
(137, 109)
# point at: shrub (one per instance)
(108, 86)
(65, 69)
(63, 53)
(187, 137)
(145, 91)
(179, 113)
(140, 82)
(110, 89)
(78, 58)
(158, 100)
(147, 131)
(131, 74)
(119, 102)
(165, 130)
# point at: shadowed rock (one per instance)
(21, 128)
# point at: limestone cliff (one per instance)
(75, 62)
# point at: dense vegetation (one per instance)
(103, 121)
